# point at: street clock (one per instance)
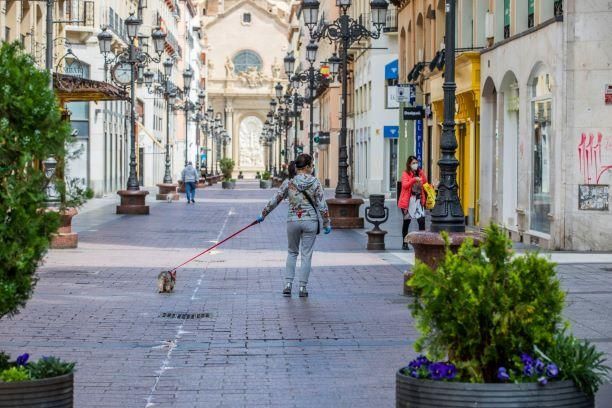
(122, 73)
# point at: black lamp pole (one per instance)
(447, 215)
(343, 31)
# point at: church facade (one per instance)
(245, 42)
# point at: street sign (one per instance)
(413, 113)
(403, 93)
(419, 141)
(406, 93)
(321, 138)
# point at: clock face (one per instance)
(123, 73)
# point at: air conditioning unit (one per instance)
(489, 25)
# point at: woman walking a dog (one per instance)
(306, 203)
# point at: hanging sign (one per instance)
(608, 94)
(413, 113)
(403, 93)
(419, 141)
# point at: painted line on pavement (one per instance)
(179, 332)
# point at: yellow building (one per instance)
(467, 132)
(421, 26)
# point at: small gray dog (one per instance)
(166, 281)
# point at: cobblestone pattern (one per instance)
(98, 305)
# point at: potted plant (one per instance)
(265, 181)
(492, 334)
(33, 131)
(227, 167)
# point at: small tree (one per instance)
(31, 130)
(227, 167)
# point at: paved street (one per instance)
(226, 337)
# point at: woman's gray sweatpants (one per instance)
(306, 233)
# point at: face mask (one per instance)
(414, 166)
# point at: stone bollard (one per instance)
(376, 213)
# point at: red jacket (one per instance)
(408, 179)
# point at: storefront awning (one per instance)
(392, 70)
(391, 132)
(71, 88)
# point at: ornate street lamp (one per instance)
(289, 62)
(345, 31)
(310, 11)
(447, 215)
(125, 66)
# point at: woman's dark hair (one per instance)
(303, 160)
(410, 160)
(291, 169)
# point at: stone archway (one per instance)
(250, 151)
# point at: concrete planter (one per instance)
(228, 185)
(265, 183)
(56, 392)
(412, 393)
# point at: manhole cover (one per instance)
(184, 316)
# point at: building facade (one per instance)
(546, 123)
(245, 42)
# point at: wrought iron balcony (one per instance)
(391, 25)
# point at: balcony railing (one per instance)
(80, 13)
(391, 26)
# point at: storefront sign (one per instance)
(608, 94)
(419, 141)
(593, 197)
(413, 113)
(391, 132)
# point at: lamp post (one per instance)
(209, 130)
(124, 68)
(312, 78)
(187, 106)
(447, 215)
(344, 31)
(164, 88)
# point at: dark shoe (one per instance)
(303, 291)
(405, 246)
(287, 289)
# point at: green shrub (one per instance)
(31, 130)
(48, 367)
(15, 374)
(481, 306)
(266, 175)
(227, 167)
(578, 360)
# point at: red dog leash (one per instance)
(214, 246)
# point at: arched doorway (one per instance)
(509, 90)
(250, 156)
(490, 151)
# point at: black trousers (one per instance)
(406, 226)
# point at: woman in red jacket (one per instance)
(412, 197)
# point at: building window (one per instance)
(541, 105)
(246, 18)
(245, 60)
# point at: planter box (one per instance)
(265, 183)
(228, 185)
(54, 392)
(412, 393)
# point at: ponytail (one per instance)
(292, 170)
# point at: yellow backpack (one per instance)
(430, 192)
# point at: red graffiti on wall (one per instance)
(589, 156)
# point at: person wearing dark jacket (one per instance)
(306, 202)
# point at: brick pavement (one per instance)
(98, 305)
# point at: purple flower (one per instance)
(540, 366)
(22, 359)
(542, 380)
(420, 361)
(450, 371)
(502, 374)
(526, 359)
(436, 370)
(528, 370)
(414, 373)
(552, 370)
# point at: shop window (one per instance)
(541, 106)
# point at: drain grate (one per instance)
(185, 316)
